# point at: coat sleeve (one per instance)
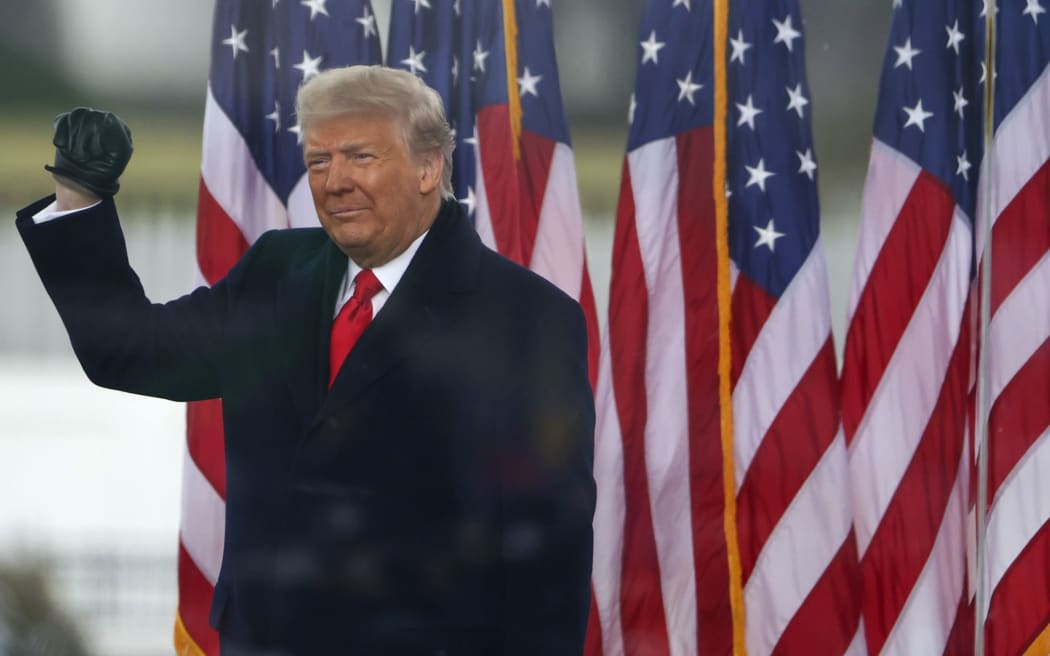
(124, 341)
(548, 504)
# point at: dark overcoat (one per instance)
(437, 500)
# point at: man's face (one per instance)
(373, 196)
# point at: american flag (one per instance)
(670, 543)
(1017, 554)
(908, 364)
(513, 168)
(251, 181)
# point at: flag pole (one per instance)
(983, 409)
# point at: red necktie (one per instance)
(351, 321)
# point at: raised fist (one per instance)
(92, 148)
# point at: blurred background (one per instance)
(90, 479)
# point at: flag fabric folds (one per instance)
(252, 180)
(1017, 554)
(493, 63)
(664, 565)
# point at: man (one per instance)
(428, 493)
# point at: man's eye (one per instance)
(362, 157)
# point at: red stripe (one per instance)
(195, 593)
(830, 615)
(642, 607)
(501, 179)
(1021, 236)
(893, 289)
(1019, 416)
(796, 441)
(960, 640)
(204, 437)
(696, 234)
(1020, 605)
(752, 306)
(536, 154)
(219, 240)
(902, 543)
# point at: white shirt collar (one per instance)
(388, 274)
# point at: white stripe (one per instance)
(805, 540)
(203, 520)
(900, 408)
(654, 177)
(926, 620)
(1020, 509)
(890, 178)
(1020, 326)
(609, 510)
(859, 646)
(234, 180)
(786, 346)
(482, 213)
(302, 213)
(557, 254)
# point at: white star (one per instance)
(236, 41)
(527, 83)
(917, 116)
(984, 8)
(739, 47)
(298, 132)
(316, 7)
(368, 23)
(470, 201)
(630, 110)
(897, 3)
(748, 113)
(785, 33)
(768, 236)
(757, 174)
(964, 166)
(275, 116)
(479, 57)
(309, 66)
(276, 54)
(806, 163)
(905, 54)
(984, 73)
(456, 8)
(414, 61)
(954, 36)
(274, 4)
(1033, 8)
(455, 69)
(472, 140)
(729, 192)
(683, 3)
(651, 48)
(796, 100)
(686, 88)
(960, 101)
(421, 3)
(541, 3)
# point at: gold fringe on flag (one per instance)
(184, 644)
(1041, 645)
(510, 50)
(736, 591)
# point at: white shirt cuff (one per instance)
(49, 213)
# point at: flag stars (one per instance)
(298, 132)
(917, 116)
(768, 236)
(686, 88)
(757, 175)
(480, 56)
(651, 49)
(275, 116)
(470, 202)
(316, 7)
(421, 4)
(963, 166)
(806, 164)
(539, 3)
(786, 34)
(955, 37)
(960, 101)
(905, 54)
(748, 112)
(984, 74)
(310, 66)
(739, 46)
(276, 54)
(682, 3)
(236, 41)
(984, 8)
(527, 83)
(631, 109)
(796, 100)
(1033, 8)
(897, 3)
(455, 69)
(414, 61)
(368, 23)
(457, 8)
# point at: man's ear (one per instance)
(431, 168)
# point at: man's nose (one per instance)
(340, 176)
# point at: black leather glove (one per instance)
(92, 148)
